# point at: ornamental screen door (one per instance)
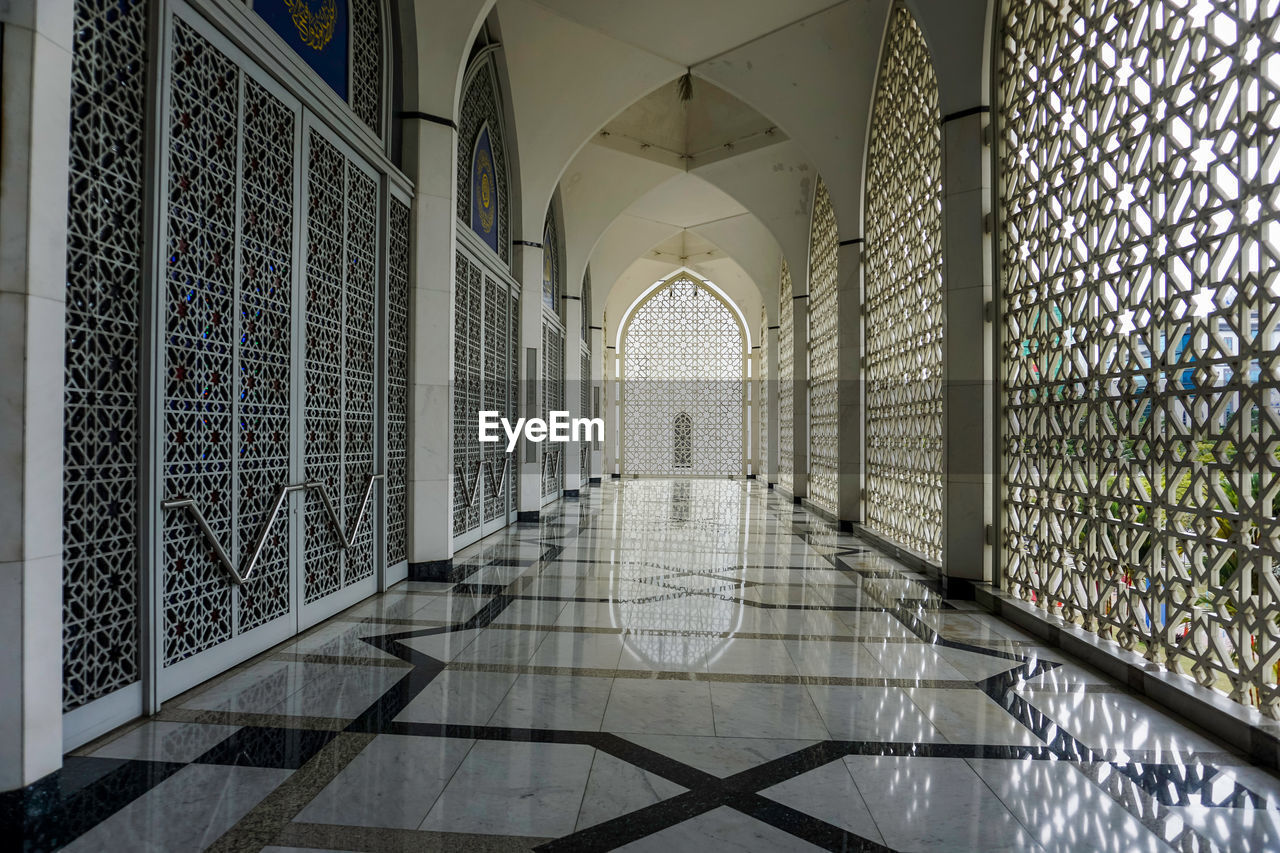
(486, 313)
(485, 320)
(273, 368)
(236, 395)
(683, 353)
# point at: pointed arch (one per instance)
(684, 364)
(904, 304)
(483, 177)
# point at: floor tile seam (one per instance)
(858, 790)
(453, 773)
(595, 755)
(270, 815)
(1027, 829)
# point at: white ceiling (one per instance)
(712, 125)
(684, 201)
(686, 31)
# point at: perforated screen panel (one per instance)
(786, 381)
(100, 649)
(824, 353)
(904, 305)
(1138, 236)
(683, 373)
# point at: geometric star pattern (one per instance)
(1139, 237)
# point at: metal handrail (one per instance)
(482, 469)
(260, 543)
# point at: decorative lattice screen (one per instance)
(764, 395)
(366, 62)
(904, 306)
(100, 639)
(397, 381)
(683, 369)
(552, 400)
(1139, 235)
(786, 381)
(824, 353)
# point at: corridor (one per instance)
(663, 665)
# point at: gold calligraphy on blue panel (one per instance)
(484, 191)
(317, 31)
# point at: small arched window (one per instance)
(683, 441)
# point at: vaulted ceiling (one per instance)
(723, 182)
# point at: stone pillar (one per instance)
(35, 102)
(431, 146)
(598, 403)
(849, 389)
(800, 394)
(771, 411)
(612, 420)
(967, 404)
(573, 479)
(526, 265)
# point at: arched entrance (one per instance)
(683, 350)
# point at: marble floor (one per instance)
(665, 665)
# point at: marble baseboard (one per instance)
(528, 516)
(438, 571)
(1238, 725)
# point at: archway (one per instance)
(683, 350)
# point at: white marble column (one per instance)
(573, 479)
(35, 102)
(526, 265)
(430, 147)
(849, 389)
(612, 420)
(967, 405)
(598, 402)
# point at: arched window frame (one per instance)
(481, 108)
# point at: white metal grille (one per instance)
(264, 402)
(326, 171)
(366, 62)
(199, 333)
(467, 370)
(764, 393)
(552, 400)
(100, 649)
(824, 353)
(903, 275)
(786, 381)
(1139, 236)
(485, 319)
(683, 358)
(397, 380)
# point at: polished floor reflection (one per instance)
(665, 665)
